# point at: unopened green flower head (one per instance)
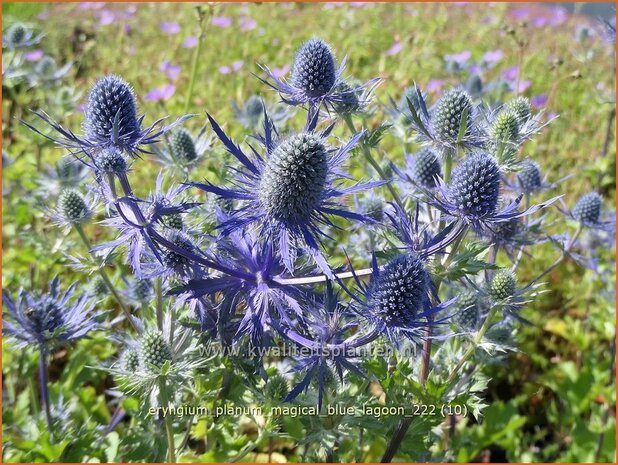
(154, 351)
(182, 145)
(73, 207)
(276, 388)
(506, 127)
(129, 361)
(448, 117)
(520, 106)
(503, 285)
(467, 316)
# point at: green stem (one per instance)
(373, 163)
(194, 60)
(159, 296)
(169, 430)
(104, 277)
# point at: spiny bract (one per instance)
(182, 145)
(520, 106)
(314, 68)
(73, 207)
(397, 293)
(293, 181)
(475, 187)
(447, 118)
(173, 259)
(46, 316)
(154, 351)
(111, 113)
(529, 176)
(588, 208)
(100, 288)
(503, 285)
(426, 168)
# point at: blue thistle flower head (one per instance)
(398, 293)
(73, 208)
(18, 36)
(587, 209)
(182, 145)
(111, 161)
(529, 176)
(314, 69)
(251, 115)
(294, 178)
(426, 168)
(50, 318)
(111, 114)
(291, 192)
(475, 186)
(452, 112)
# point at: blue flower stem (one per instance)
(202, 21)
(159, 302)
(373, 163)
(44, 386)
(169, 430)
(104, 277)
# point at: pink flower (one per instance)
(246, 23)
(434, 85)
(159, 94)
(539, 21)
(171, 71)
(493, 56)
(34, 55)
(190, 42)
(510, 74)
(459, 58)
(107, 17)
(280, 72)
(170, 28)
(524, 86)
(394, 50)
(221, 21)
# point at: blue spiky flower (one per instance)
(474, 194)
(291, 193)
(452, 113)
(475, 186)
(73, 208)
(529, 176)
(587, 209)
(315, 78)
(182, 145)
(425, 168)
(48, 318)
(111, 122)
(18, 36)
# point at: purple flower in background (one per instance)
(237, 65)
(225, 69)
(394, 50)
(538, 101)
(524, 86)
(459, 58)
(280, 72)
(159, 94)
(171, 70)
(520, 14)
(170, 28)
(190, 42)
(34, 55)
(221, 21)
(107, 17)
(434, 85)
(510, 74)
(539, 21)
(493, 56)
(559, 16)
(246, 23)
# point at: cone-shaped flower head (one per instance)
(142, 290)
(520, 106)
(182, 145)
(73, 207)
(426, 168)
(111, 160)
(276, 388)
(46, 67)
(349, 100)
(111, 114)
(475, 186)
(154, 351)
(254, 107)
(506, 230)
(16, 34)
(505, 127)
(397, 295)
(100, 288)
(294, 178)
(503, 285)
(448, 115)
(587, 210)
(173, 260)
(314, 68)
(467, 316)
(529, 176)
(129, 361)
